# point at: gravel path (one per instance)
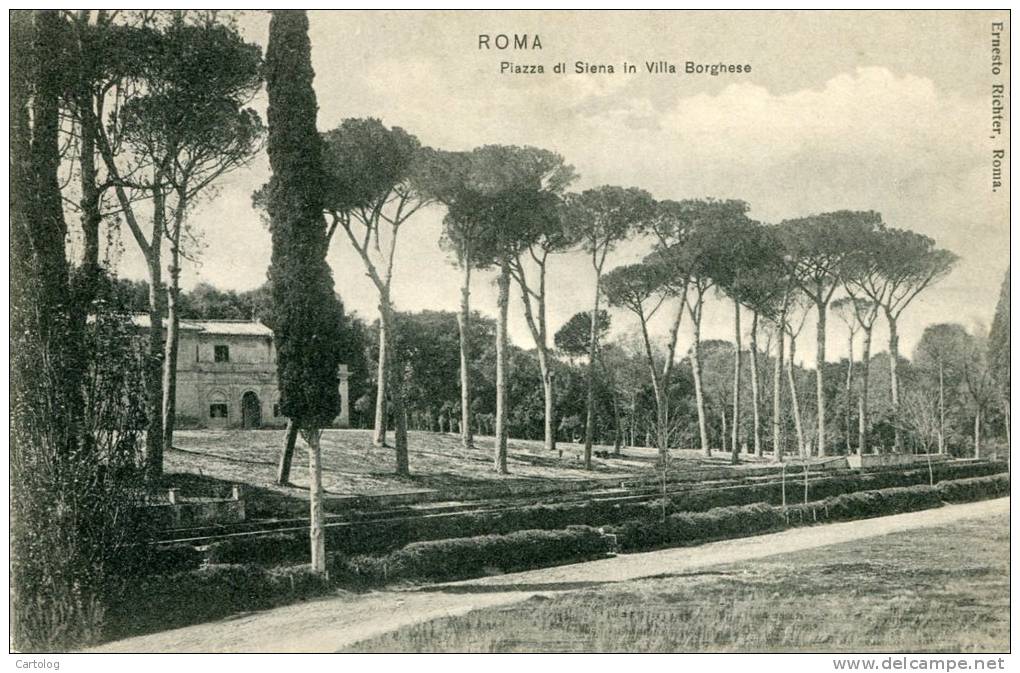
(334, 622)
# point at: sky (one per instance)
(885, 111)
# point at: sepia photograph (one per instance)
(510, 331)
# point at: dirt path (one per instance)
(334, 622)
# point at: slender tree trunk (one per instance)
(894, 384)
(400, 424)
(315, 497)
(547, 390)
(154, 370)
(820, 376)
(171, 349)
(794, 401)
(589, 426)
(698, 391)
(283, 469)
(501, 367)
(379, 436)
(942, 411)
(862, 416)
(849, 393)
(464, 324)
(395, 390)
(755, 387)
(777, 399)
(977, 434)
(737, 357)
(723, 436)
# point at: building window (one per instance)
(221, 353)
(218, 410)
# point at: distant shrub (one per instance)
(978, 488)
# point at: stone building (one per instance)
(226, 376)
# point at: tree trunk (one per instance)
(794, 401)
(894, 384)
(942, 412)
(820, 376)
(283, 469)
(849, 392)
(723, 436)
(395, 388)
(699, 396)
(862, 416)
(589, 426)
(737, 357)
(400, 426)
(547, 389)
(153, 373)
(316, 531)
(379, 436)
(755, 388)
(463, 324)
(171, 348)
(977, 434)
(777, 399)
(501, 367)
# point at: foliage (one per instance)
(998, 343)
(572, 338)
(305, 314)
(462, 558)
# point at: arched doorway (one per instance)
(251, 411)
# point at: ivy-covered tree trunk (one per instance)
(382, 379)
(737, 357)
(894, 381)
(794, 399)
(849, 388)
(589, 424)
(502, 347)
(820, 376)
(862, 415)
(699, 395)
(464, 325)
(777, 397)
(755, 386)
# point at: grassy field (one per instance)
(932, 589)
(351, 465)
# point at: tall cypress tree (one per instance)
(305, 313)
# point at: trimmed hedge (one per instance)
(141, 560)
(265, 550)
(978, 488)
(161, 602)
(155, 603)
(688, 528)
(390, 535)
(462, 558)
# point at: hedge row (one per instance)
(162, 602)
(168, 601)
(461, 558)
(687, 528)
(386, 536)
(978, 488)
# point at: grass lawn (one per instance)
(351, 465)
(931, 589)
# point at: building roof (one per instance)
(216, 327)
